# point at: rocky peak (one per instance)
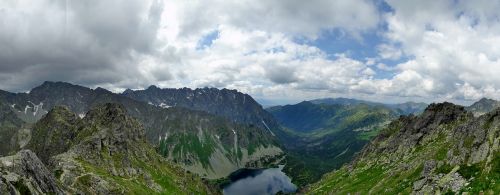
(483, 106)
(440, 113)
(50, 86)
(109, 125)
(58, 112)
(114, 115)
(102, 90)
(152, 87)
(107, 112)
(128, 91)
(54, 133)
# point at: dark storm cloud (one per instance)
(86, 42)
(281, 74)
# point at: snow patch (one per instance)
(164, 138)
(7, 163)
(163, 105)
(13, 105)
(342, 153)
(235, 142)
(81, 115)
(26, 109)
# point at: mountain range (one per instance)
(61, 138)
(207, 144)
(401, 108)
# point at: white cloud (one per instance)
(304, 18)
(450, 42)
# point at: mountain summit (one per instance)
(484, 105)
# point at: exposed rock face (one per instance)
(445, 149)
(24, 173)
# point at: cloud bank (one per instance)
(426, 50)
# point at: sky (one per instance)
(279, 51)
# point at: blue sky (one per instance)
(276, 51)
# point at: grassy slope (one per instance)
(172, 179)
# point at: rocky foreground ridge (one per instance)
(103, 153)
(444, 150)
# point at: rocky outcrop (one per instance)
(54, 134)
(24, 173)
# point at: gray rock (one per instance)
(25, 172)
(417, 185)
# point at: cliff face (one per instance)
(445, 149)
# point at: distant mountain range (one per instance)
(402, 108)
(230, 104)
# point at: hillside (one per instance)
(306, 117)
(103, 153)
(445, 149)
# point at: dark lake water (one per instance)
(259, 182)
